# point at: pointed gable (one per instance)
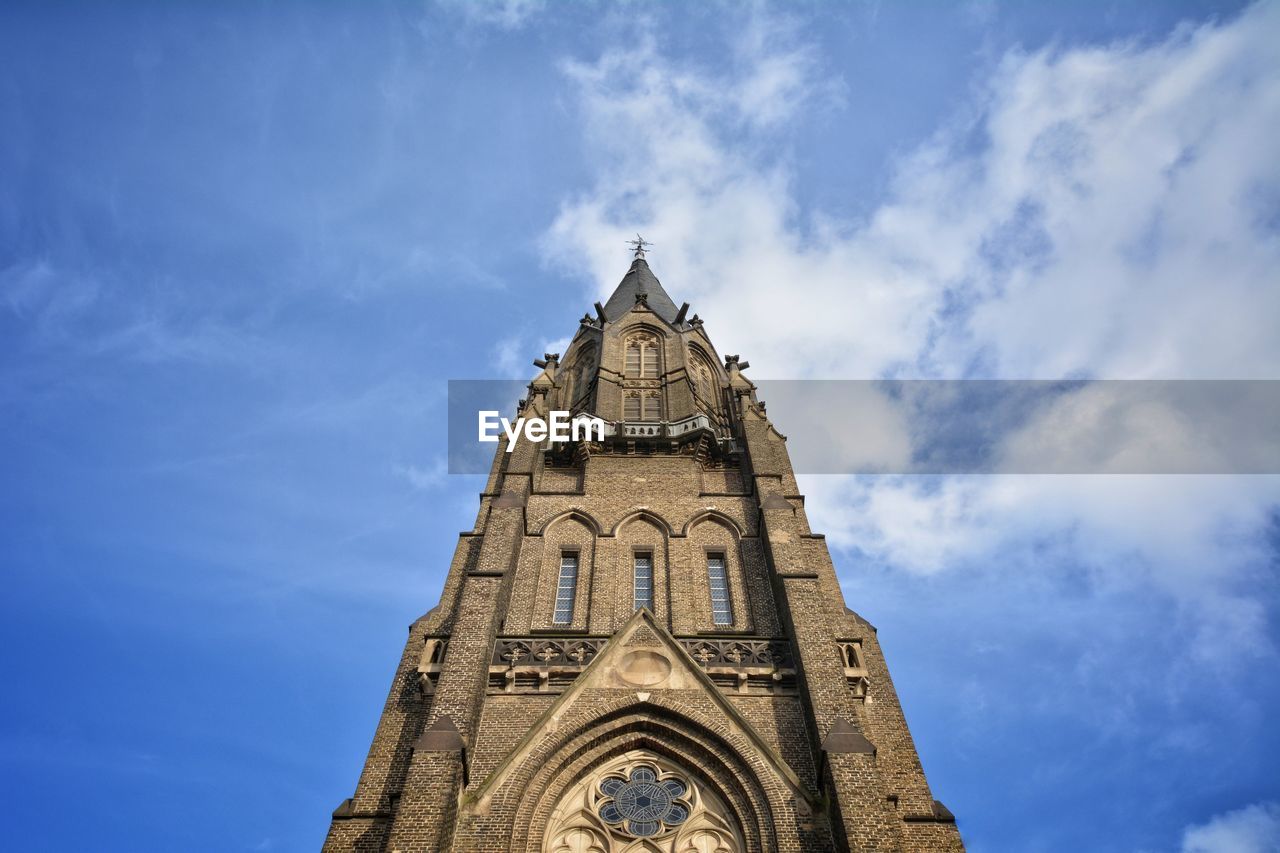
(643, 657)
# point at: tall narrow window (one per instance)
(721, 609)
(566, 588)
(582, 374)
(642, 581)
(703, 376)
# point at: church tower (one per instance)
(642, 647)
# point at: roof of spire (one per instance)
(640, 280)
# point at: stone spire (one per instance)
(582, 649)
(640, 284)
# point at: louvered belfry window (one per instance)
(642, 357)
(633, 358)
(566, 588)
(642, 362)
(642, 406)
(649, 361)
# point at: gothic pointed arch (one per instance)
(579, 377)
(668, 706)
(643, 363)
(706, 379)
(647, 515)
(566, 571)
(642, 353)
(714, 516)
(643, 324)
(641, 566)
(740, 792)
(715, 590)
(576, 514)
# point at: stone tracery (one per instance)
(641, 803)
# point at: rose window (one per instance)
(641, 804)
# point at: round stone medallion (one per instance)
(644, 668)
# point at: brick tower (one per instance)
(642, 647)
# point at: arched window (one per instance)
(643, 356)
(706, 386)
(584, 368)
(704, 383)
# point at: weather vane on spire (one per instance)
(639, 244)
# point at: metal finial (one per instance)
(638, 245)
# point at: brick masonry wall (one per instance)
(679, 506)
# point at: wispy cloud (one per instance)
(1091, 211)
(502, 14)
(508, 358)
(36, 291)
(513, 355)
(1254, 829)
(1088, 212)
(424, 478)
(1064, 222)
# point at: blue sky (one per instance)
(243, 246)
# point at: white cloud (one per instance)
(1107, 211)
(559, 346)
(513, 356)
(503, 14)
(52, 298)
(424, 479)
(1197, 541)
(1253, 829)
(1121, 202)
(1149, 427)
(506, 356)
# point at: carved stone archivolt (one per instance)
(641, 802)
